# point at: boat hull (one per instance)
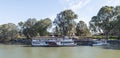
(54, 46)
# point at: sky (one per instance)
(14, 11)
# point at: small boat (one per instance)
(100, 43)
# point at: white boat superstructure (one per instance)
(53, 42)
(100, 43)
(39, 43)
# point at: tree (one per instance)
(116, 29)
(21, 28)
(103, 20)
(8, 32)
(118, 25)
(30, 22)
(42, 26)
(117, 11)
(27, 28)
(56, 31)
(65, 22)
(116, 21)
(82, 29)
(95, 24)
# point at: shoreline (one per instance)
(79, 42)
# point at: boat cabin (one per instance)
(52, 41)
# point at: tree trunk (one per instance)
(107, 35)
(118, 34)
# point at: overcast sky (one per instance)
(13, 11)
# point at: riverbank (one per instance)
(23, 41)
(114, 44)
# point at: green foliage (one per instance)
(42, 26)
(82, 29)
(27, 29)
(65, 22)
(56, 31)
(103, 37)
(32, 27)
(8, 32)
(106, 20)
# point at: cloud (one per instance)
(75, 5)
(67, 0)
(87, 8)
(112, 2)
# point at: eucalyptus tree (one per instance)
(65, 22)
(27, 29)
(82, 29)
(117, 10)
(56, 31)
(21, 27)
(42, 26)
(95, 24)
(8, 32)
(116, 29)
(103, 20)
(30, 22)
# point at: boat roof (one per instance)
(46, 37)
(50, 38)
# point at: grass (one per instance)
(103, 37)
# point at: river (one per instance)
(18, 51)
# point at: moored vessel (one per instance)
(52, 41)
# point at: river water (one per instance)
(18, 51)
